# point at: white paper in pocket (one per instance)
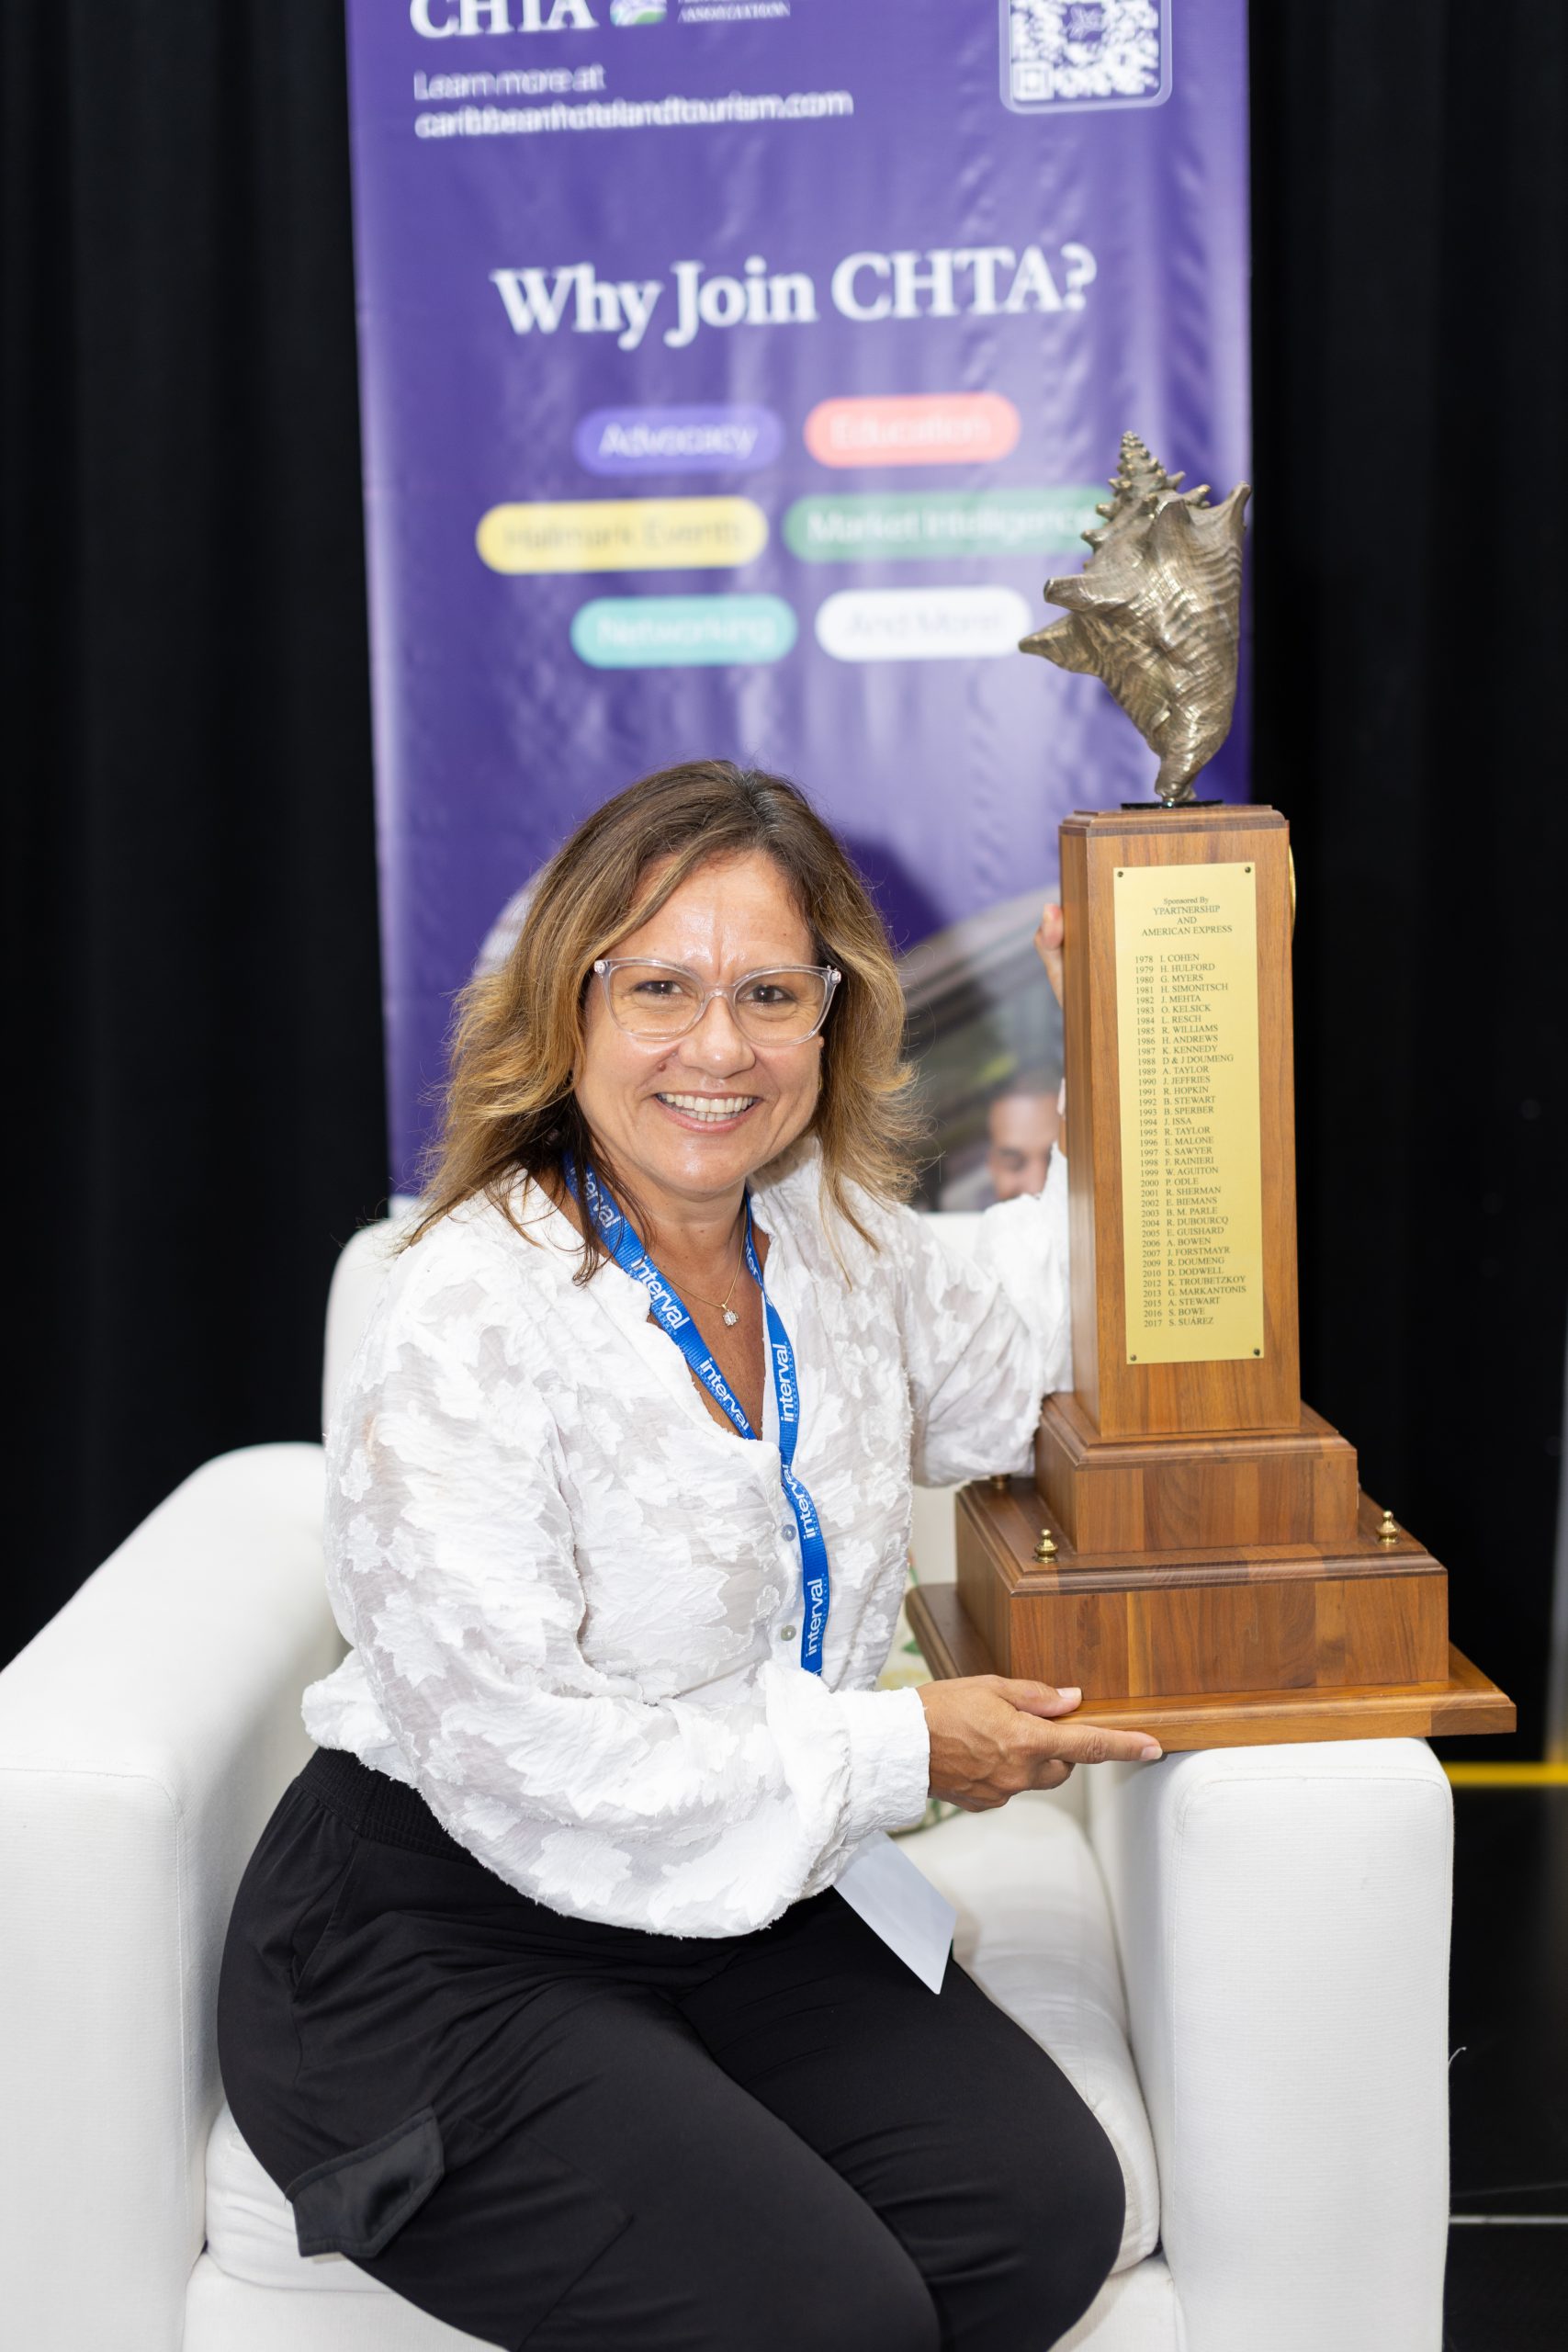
(901, 1906)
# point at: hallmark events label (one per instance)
(1190, 1082)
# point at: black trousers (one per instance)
(584, 2138)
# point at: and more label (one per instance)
(921, 624)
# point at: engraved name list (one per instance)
(1192, 1158)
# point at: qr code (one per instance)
(1077, 53)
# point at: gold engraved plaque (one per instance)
(1191, 1152)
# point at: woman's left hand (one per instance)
(1048, 944)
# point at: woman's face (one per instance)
(691, 1119)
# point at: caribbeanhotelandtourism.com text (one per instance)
(630, 114)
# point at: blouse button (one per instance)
(786, 1529)
(787, 1633)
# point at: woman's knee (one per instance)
(1072, 2237)
(870, 2302)
(871, 2298)
(1041, 2230)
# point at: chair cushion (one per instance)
(1032, 1928)
(250, 2222)
(1134, 2311)
(1034, 1931)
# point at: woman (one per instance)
(538, 1999)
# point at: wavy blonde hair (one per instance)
(510, 1107)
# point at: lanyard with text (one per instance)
(672, 1314)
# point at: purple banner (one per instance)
(735, 371)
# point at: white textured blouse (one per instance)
(574, 1599)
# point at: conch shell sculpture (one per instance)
(1156, 613)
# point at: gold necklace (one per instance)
(731, 1314)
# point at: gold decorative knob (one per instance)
(1000, 1482)
(1387, 1531)
(1046, 1547)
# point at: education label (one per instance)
(1192, 1153)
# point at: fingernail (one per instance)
(1068, 1691)
(1150, 1752)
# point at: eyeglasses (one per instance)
(657, 1002)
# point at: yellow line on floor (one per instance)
(1508, 1776)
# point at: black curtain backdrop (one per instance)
(196, 1059)
(194, 994)
(1411, 574)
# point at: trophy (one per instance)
(1194, 1548)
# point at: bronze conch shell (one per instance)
(1156, 613)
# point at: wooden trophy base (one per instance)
(1217, 1592)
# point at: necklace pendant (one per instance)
(730, 1316)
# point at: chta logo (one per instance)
(636, 12)
(1068, 55)
(471, 19)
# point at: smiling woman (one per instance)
(776, 889)
(618, 1521)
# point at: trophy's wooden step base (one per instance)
(1467, 1702)
(1171, 1494)
(1373, 1616)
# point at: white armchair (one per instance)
(1240, 1957)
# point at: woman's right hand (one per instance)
(991, 1737)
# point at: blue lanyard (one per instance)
(672, 1315)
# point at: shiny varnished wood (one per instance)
(1462, 1700)
(1011, 1516)
(1178, 1494)
(1246, 1617)
(1214, 1571)
(1119, 1398)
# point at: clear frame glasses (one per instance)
(781, 1005)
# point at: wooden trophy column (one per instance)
(1194, 1549)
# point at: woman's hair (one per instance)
(510, 1106)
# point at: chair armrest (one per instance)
(145, 1735)
(1282, 1919)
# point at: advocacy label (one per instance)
(677, 440)
(1190, 1087)
(623, 534)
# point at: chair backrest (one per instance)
(146, 1735)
